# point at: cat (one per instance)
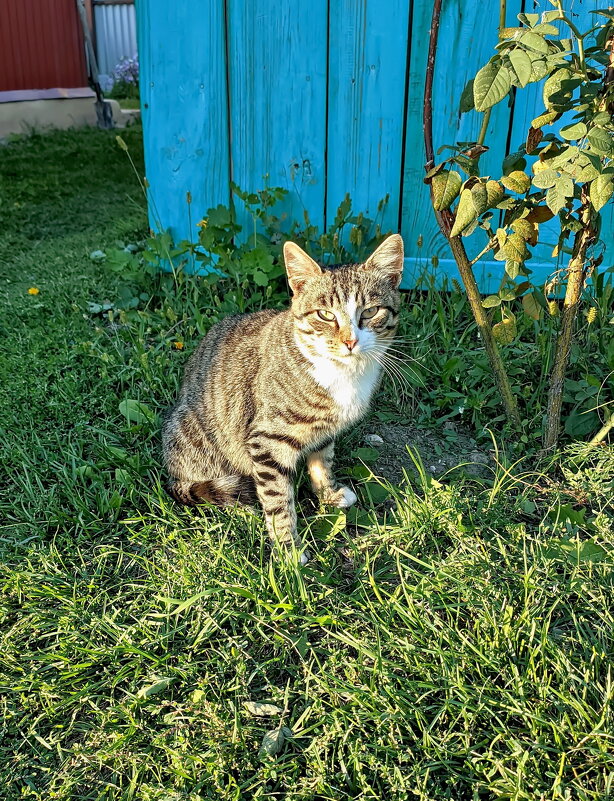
(264, 390)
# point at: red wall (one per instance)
(41, 45)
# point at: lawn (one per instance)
(450, 639)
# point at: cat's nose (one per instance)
(350, 343)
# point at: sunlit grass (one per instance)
(451, 640)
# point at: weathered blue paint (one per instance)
(277, 97)
(184, 110)
(322, 97)
(366, 95)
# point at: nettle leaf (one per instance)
(491, 301)
(446, 186)
(517, 181)
(601, 141)
(479, 196)
(521, 66)
(494, 193)
(544, 119)
(505, 331)
(531, 306)
(575, 131)
(465, 213)
(601, 190)
(544, 179)
(535, 42)
(491, 85)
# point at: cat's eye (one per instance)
(324, 314)
(370, 312)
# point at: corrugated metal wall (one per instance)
(41, 45)
(115, 25)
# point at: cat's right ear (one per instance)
(299, 266)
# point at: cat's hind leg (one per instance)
(325, 486)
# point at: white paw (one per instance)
(342, 498)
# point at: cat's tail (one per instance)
(223, 491)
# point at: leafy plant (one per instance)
(571, 178)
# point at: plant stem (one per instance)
(445, 220)
(576, 279)
(604, 430)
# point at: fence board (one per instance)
(183, 103)
(467, 37)
(277, 94)
(366, 95)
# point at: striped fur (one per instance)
(264, 390)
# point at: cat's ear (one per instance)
(388, 259)
(299, 266)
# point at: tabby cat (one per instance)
(264, 390)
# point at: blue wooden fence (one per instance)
(322, 97)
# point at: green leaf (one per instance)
(600, 141)
(544, 119)
(514, 161)
(512, 268)
(539, 69)
(505, 331)
(556, 197)
(136, 412)
(466, 100)
(273, 741)
(446, 186)
(525, 228)
(515, 248)
(544, 179)
(480, 197)
(554, 95)
(531, 306)
(507, 294)
(465, 213)
(494, 193)
(262, 710)
(601, 190)
(546, 30)
(575, 131)
(529, 19)
(534, 42)
(573, 550)
(517, 181)
(367, 455)
(490, 85)
(491, 301)
(521, 65)
(155, 688)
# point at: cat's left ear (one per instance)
(299, 266)
(388, 259)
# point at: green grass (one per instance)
(454, 642)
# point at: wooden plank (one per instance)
(366, 94)
(184, 110)
(277, 89)
(529, 104)
(467, 38)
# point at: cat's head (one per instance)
(348, 311)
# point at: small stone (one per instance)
(374, 439)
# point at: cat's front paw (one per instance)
(341, 498)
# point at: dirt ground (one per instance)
(439, 451)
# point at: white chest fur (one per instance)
(350, 387)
